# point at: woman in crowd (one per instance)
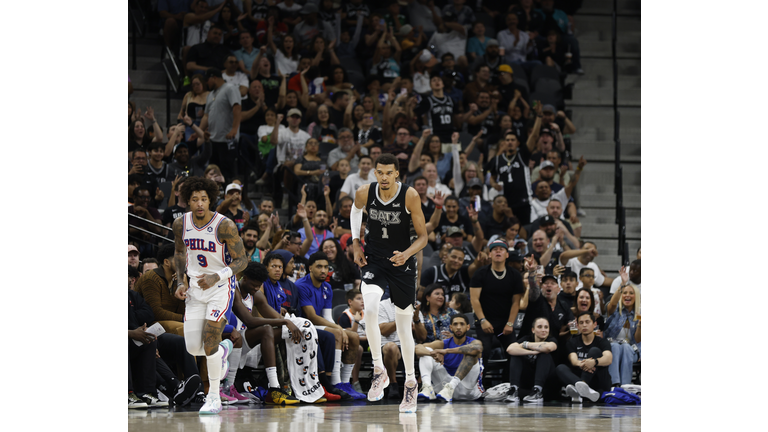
(476, 44)
(322, 56)
(138, 136)
(287, 56)
(339, 81)
(322, 129)
(554, 54)
(371, 104)
(228, 21)
(309, 171)
(622, 328)
(585, 302)
(342, 273)
(435, 314)
(193, 103)
(530, 357)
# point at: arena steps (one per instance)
(592, 107)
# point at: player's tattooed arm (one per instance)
(228, 234)
(180, 257)
(472, 353)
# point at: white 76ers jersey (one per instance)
(205, 254)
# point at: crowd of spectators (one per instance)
(299, 99)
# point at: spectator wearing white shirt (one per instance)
(543, 192)
(433, 181)
(517, 44)
(233, 76)
(451, 37)
(290, 143)
(362, 177)
(580, 258)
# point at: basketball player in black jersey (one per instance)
(395, 232)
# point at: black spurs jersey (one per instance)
(389, 227)
(439, 115)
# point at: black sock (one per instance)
(325, 382)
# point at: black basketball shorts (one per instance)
(401, 280)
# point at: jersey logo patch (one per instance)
(368, 275)
(385, 217)
(396, 205)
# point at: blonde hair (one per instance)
(637, 301)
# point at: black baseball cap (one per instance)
(515, 255)
(547, 220)
(212, 72)
(548, 276)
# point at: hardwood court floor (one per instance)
(384, 417)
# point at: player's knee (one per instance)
(335, 332)
(210, 349)
(354, 338)
(389, 349)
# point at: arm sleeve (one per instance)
(356, 220)
(328, 314)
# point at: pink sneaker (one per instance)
(409, 397)
(239, 398)
(226, 399)
(379, 382)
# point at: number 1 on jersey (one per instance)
(384, 235)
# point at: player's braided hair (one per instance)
(195, 184)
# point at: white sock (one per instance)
(425, 367)
(371, 297)
(454, 382)
(346, 372)
(272, 377)
(335, 374)
(234, 363)
(214, 371)
(403, 319)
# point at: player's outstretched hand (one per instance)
(359, 255)
(398, 258)
(207, 281)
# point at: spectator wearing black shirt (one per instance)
(586, 372)
(510, 173)
(495, 292)
(176, 204)
(552, 115)
(491, 59)
(209, 54)
(141, 359)
(499, 220)
(507, 87)
(454, 237)
(483, 114)
(452, 218)
(543, 302)
(342, 221)
(339, 101)
(454, 275)
(531, 356)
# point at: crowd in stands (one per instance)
(298, 100)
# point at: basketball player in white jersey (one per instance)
(209, 247)
(394, 212)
